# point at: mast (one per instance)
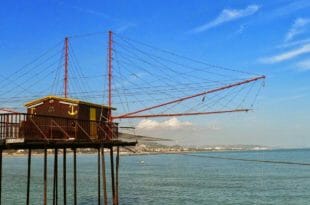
(66, 68)
(110, 78)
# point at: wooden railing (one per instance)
(31, 127)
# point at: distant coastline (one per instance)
(21, 153)
(152, 149)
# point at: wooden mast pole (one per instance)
(66, 95)
(66, 67)
(110, 119)
(110, 79)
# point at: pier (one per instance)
(56, 133)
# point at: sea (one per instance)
(168, 179)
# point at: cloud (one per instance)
(125, 27)
(171, 124)
(90, 11)
(287, 55)
(294, 43)
(241, 29)
(304, 65)
(297, 28)
(227, 15)
(288, 8)
(122, 26)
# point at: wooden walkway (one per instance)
(60, 144)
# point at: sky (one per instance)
(266, 37)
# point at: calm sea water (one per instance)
(174, 179)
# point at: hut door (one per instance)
(93, 126)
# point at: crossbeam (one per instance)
(184, 114)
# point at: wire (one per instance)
(248, 160)
(181, 56)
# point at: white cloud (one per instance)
(125, 27)
(287, 55)
(227, 15)
(90, 11)
(304, 65)
(241, 29)
(287, 8)
(297, 28)
(294, 43)
(172, 123)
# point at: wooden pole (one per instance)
(117, 174)
(74, 176)
(112, 175)
(104, 179)
(65, 175)
(55, 186)
(45, 177)
(56, 153)
(0, 176)
(66, 67)
(28, 177)
(54, 182)
(99, 176)
(110, 57)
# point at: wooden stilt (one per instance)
(98, 176)
(28, 177)
(104, 179)
(65, 175)
(45, 178)
(55, 184)
(112, 176)
(0, 176)
(116, 173)
(56, 175)
(74, 176)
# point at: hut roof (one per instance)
(69, 100)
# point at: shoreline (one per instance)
(127, 153)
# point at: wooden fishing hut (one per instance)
(62, 118)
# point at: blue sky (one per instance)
(266, 37)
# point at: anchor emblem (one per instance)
(72, 111)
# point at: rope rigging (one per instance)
(166, 72)
(147, 80)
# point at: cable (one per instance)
(248, 160)
(181, 56)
